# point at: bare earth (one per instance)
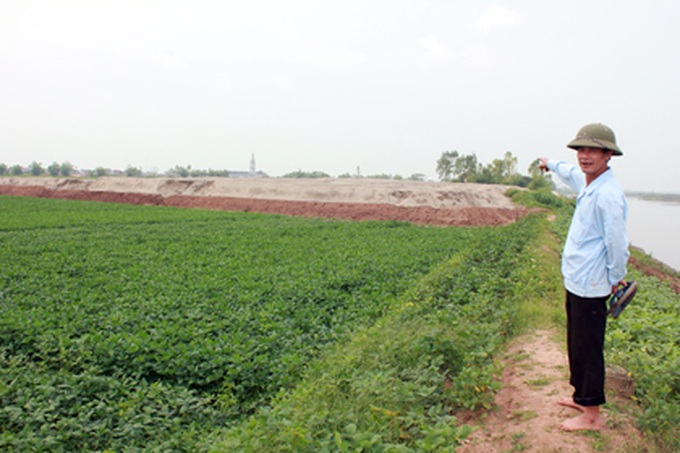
(525, 416)
(431, 203)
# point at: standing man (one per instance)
(593, 265)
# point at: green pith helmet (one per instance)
(596, 135)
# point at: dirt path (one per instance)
(526, 415)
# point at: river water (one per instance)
(654, 226)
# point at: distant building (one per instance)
(251, 173)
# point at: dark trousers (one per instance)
(586, 324)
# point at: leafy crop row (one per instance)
(645, 339)
(398, 383)
(126, 327)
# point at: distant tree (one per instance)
(54, 169)
(4, 169)
(503, 169)
(99, 171)
(483, 175)
(451, 166)
(537, 179)
(179, 171)
(445, 165)
(466, 168)
(16, 170)
(221, 173)
(184, 172)
(413, 177)
(518, 180)
(196, 173)
(533, 169)
(307, 174)
(36, 168)
(133, 171)
(66, 169)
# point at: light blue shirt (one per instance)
(596, 250)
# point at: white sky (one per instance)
(384, 85)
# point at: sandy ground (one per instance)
(344, 190)
(526, 416)
(356, 199)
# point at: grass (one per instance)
(538, 382)
(540, 297)
(523, 415)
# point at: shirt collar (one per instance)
(590, 188)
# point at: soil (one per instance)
(658, 270)
(526, 417)
(417, 202)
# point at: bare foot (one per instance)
(589, 420)
(569, 402)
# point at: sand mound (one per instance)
(357, 199)
(398, 193)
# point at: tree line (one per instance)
(67, 169)
(320, 174)
(455, 167)
(36, 169)
(451, 167)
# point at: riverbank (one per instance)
(653, 227)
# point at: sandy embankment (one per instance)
(419, 202)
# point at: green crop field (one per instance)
(130, 328)
(124, 323)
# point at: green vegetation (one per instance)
(397, 382)
(647, 261)
(184, 172)
(307, 174)
(413, 177)
(645, 340)
(452, 166)
(123, 321)
(36, 169)
(66, 169)
(128, 327)
(320, 174)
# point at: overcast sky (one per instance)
(385, 86)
